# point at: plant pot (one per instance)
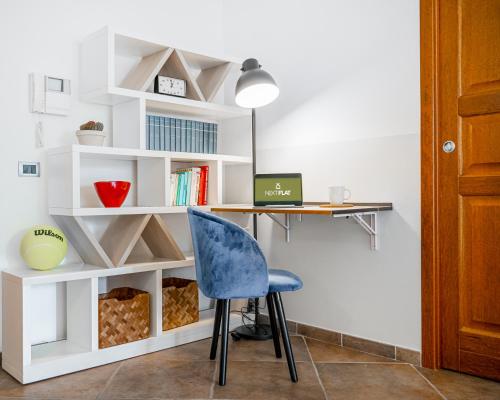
(90, 138)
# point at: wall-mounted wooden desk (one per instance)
(365, 214)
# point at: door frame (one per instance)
(429, 146)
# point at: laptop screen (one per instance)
(277, 189)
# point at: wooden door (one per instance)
(461, 104)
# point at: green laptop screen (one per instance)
(278, 189)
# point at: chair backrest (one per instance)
(229, 262)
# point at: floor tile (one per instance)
(195, 351)
(270, 381)
(326, 352)
(80, 385)
(241, 350)
(374, 382)
(455, 386)
(263, 350)
(161, 379)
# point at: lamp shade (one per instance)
(255, 87)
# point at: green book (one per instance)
(179, 189)
(187, 192)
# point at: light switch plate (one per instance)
(28, 168)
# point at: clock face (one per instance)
(176, 87)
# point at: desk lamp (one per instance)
(255, 88)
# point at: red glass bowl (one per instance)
(112, 193)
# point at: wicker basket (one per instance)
(180, 302)
(123, 316)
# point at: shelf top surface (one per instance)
(97, 211)
(308, 208)
(91, 211)
(119, 153)
(138, 46)
(163, 103)
(75, 271)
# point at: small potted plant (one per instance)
(91, 133)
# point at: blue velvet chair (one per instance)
(230, 265)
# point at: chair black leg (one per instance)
(215, 335)
(274, 325)
(286, 338)
(226, 305)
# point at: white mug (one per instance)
(338, 194)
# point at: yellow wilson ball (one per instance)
(43, 247)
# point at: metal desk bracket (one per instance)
(368, 224)
(286, 226)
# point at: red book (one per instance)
(203, 189)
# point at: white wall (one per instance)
(348, 114)
(43, 36)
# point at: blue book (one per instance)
(172, 134)
(177, 135)
(211, 138)
(189, 134)
(162, 133)
(148, 124)
(167, 133)
(215, 139)
(205, 137)
(157, 133)
(193, 136)
(200, 137)
(183, 135)
(151, 132)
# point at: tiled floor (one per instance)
(325, 371)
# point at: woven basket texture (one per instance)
(180, 302)
(123, 316)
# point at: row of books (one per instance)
(189, 186)
(174, 134)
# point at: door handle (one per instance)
(449, 146)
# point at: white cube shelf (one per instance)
(29, 363)
(73, 169)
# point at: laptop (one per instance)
(275, 190)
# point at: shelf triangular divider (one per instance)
(141, 77)
(210, 79)
(176, 66)
(156, 244)
(83, 240)
(122, 235)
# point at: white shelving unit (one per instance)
(118, 70)
(30, 363)
(73, 169)
(136, 247)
